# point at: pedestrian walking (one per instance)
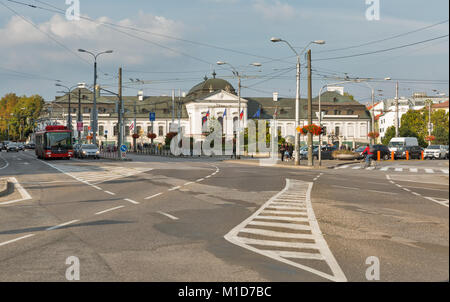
(282, 151)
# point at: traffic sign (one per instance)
(123, 148)
(79, 126)
(152, 116)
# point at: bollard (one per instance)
(392, 155)
(378, 155)
(422, 155)
(407, 155)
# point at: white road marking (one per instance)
(415, 170)
(408, 190)
(109, 210)
(384, 169)
(253, 226)
(110, 193)
(174, 188)
(200, 179)
(445, 171)
(398, 169)
(188, 183)
(153, 196)
(22, 191)
(382, 192)
(168, 215)
(417, 194)
(356, 168)
(443, 202)
(6, 163)
(429, 171)
(131, 200)
(61, 225)
(14, 240)
(350, 188)
(276, 234)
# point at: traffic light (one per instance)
(322, 130)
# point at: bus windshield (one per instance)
(59, 139)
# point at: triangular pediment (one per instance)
(222, 95)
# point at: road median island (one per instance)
(290, 165)
(3, 186)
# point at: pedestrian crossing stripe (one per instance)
(97, 175)
(397, 169)
(287, 231)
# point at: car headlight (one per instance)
(98, 152)
(84, 152)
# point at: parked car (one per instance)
(415, 152)
(304, 151)
(435, 151)
(1, 146)
(90, 150)
(30, 146)
(12, 147)
(21, 146)
(5, 144)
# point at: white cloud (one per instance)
(274, 10)
(18, 36)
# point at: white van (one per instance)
(397, 143)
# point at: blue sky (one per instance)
(240, 25)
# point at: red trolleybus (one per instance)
(54, 142)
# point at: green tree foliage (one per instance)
(19, 114)
(390, 133)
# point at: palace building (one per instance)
(346, 120)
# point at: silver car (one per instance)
(88, 150)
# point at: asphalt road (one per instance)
(160, 219)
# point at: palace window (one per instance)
(160, 130)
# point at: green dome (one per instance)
(210, 85)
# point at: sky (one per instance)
(174, 44)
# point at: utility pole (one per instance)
(173, 106)
(94, 107)
(396, 110)
(310, 135)
(238, 136)
(297, 115)
(119, 116)
(179, 110)
(135, 128)
(80, 116)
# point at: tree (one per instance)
(390, 133)
(441, 135)
(19, 115)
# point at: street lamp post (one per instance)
(94, 105)
(238, 75)
(297, 94)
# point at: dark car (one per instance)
(12, 147)
(21, 146)
(5, 144)
(359, 152)
(384, 151)
(30, 146)
(415, 152)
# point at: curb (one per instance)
(3, 187)
(288, 167)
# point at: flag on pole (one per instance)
(276, 112)
(132, 126)
(207, 114)
(258, 113)
(241, 115)
(225, 113)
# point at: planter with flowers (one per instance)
(314, 129)
(373, 134)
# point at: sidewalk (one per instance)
(326, 164)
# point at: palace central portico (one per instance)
(345, 120)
